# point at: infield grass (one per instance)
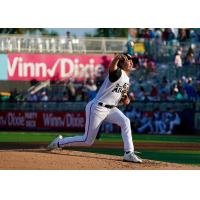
(6, 136)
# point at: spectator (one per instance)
(44, 97)
(150, 68)
(180, 87)
(163, 92)
(158, 33)
(91, 88)
(141, 94)
(13, 95)
(190, 59)
(178, 63)
(193, 36)
(32, 97)
(182, 35)
(178, 95)
(69, 42)
(81, 93)
(171, 35)
(130, 47)
(153, 93)
(152, 33)
(71, 90)
(146, 34)
(165, 35)
(164, 80)
(157, 43)
(65, 97)
(191, 93)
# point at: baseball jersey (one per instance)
(110, 93)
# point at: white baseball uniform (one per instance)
(109, 95)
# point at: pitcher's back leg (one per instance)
(117, 117)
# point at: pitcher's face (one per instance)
(128, 65)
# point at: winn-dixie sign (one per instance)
(43, 67)
(42, 120)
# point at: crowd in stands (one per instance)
(169, 35)
(66, 91)
(35, 97)
(164, 90)
(188, 58)
(153, 89)
(161, 44)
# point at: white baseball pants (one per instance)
(95, 115)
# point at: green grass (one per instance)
(30, 136)
(173, 156)
(155, 138)
(177, 156)
(47, 137)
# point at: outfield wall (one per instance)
(70, 116)
(20, 120)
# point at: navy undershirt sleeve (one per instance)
(115, 75)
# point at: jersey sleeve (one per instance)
(115, 75)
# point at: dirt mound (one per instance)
(75, 160)
(109, 145)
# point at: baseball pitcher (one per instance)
(104, 108)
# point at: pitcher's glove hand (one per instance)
(125, 99)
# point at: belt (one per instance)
(106, 106)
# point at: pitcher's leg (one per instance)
(117, 117)
(93, 122)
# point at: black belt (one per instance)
(106, 106)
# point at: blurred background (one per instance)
(48, 75)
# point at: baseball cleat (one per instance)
(54, 143)
(131, 157)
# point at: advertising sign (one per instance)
(44, 67)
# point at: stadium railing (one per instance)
(86, 45)
(42, 44)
